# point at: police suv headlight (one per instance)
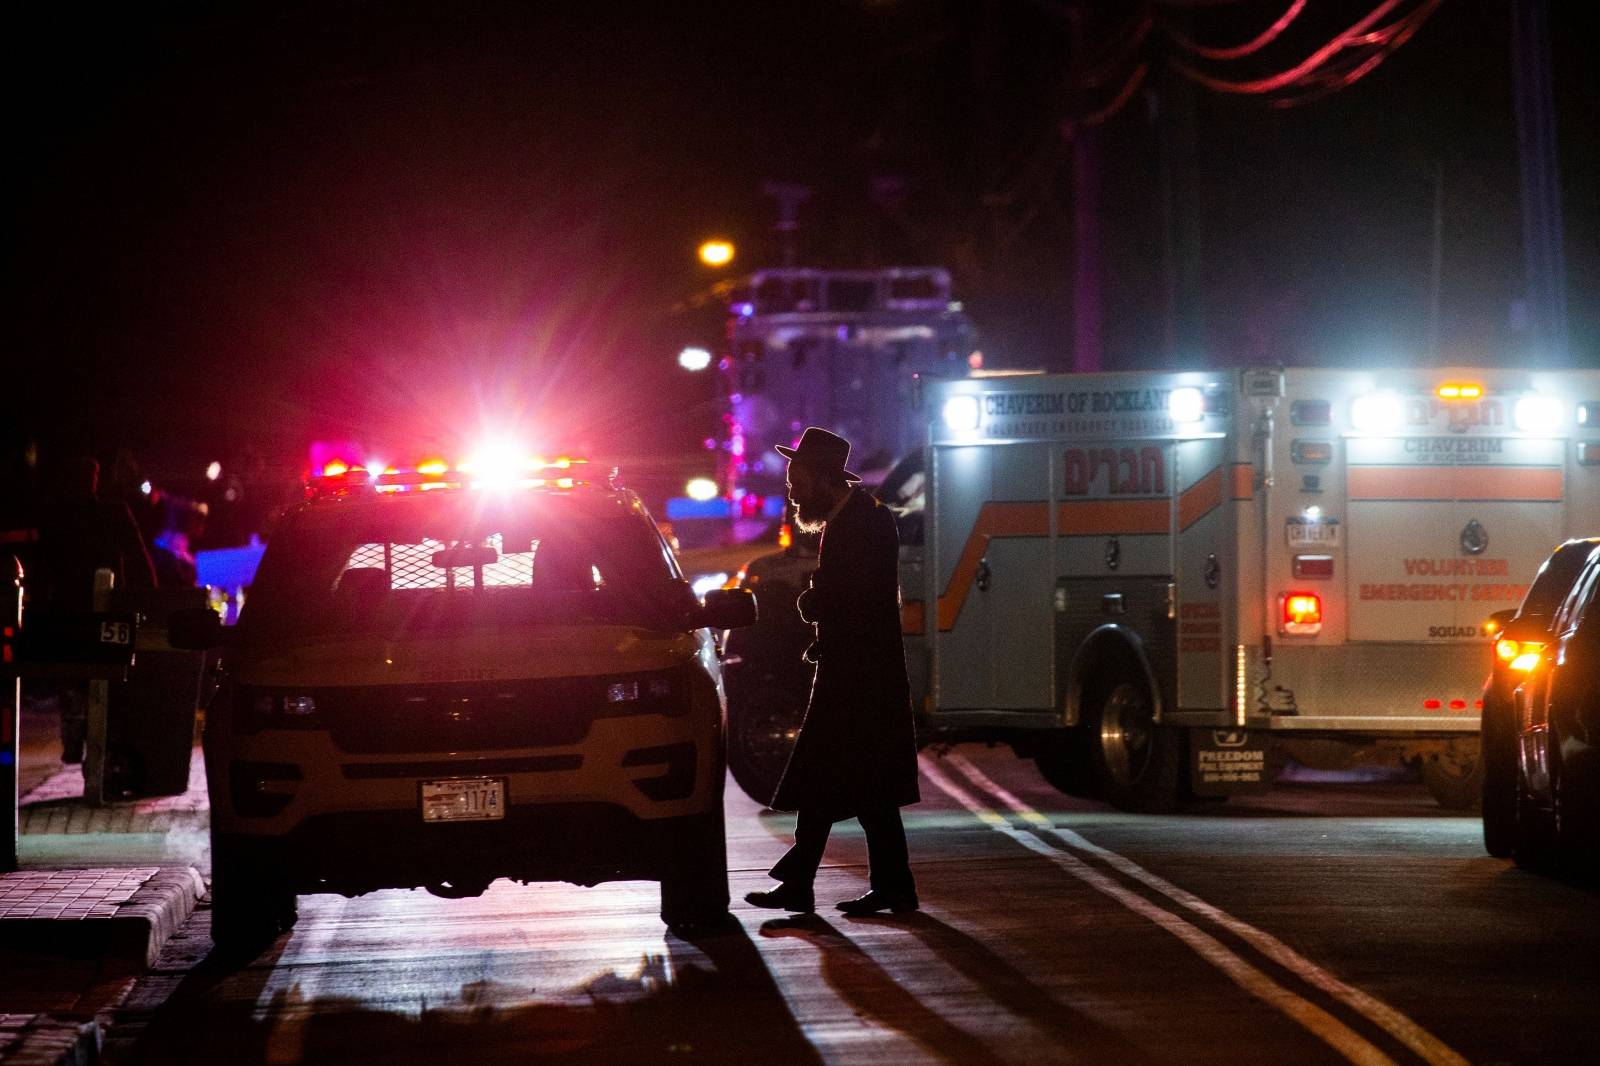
(255, 708)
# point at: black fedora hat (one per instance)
(822, 451)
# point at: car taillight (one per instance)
(1528, 658)
(1521, 655)
(1302, 613)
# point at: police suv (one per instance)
(448, 675)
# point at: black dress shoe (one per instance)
(783, 898)
(875, 901)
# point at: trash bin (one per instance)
(150, 716)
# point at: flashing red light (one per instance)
(1431, 705)
(1302, 613)
(1458, 705)
(338, 479)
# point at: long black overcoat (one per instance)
(857, 745)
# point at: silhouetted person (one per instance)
(856, 753)
(80, 533)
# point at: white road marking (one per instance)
(1311, 1017)
(1402, 1028)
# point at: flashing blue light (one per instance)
(680, 508)
(5, 757)
(228, 568)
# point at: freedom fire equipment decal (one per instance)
(1228, 762)
(1447, 529)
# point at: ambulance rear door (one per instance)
(1449, 519)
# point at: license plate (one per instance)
(1313, 533)
(473, 799)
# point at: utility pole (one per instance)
(789, 197)
(1543, 257)
(1436, 278)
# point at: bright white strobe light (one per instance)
(961, 413)
(708, 582)
(694, 358)
(213, 471)
(1536, 412)
(1378, 412)
(702, 489)
(1186, 404)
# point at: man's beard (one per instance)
(811, 513)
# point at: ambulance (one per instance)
(1155, 584)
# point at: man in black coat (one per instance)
(856, 754)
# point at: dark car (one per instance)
(1556, 724)
(1518, 636)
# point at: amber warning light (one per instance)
(1460, 390)
(1302, 613)
(1520, 655)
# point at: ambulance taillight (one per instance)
(1302, 614)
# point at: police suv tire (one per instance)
(1138, 764)
(694, 884)
(1499, 782)
(249, 906)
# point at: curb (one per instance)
(40, 1040)
(125, 941)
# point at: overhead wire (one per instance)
(1249, 48)
(1288, 78)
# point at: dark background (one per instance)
(250, 226)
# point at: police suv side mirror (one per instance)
(196, 629)
(728, 609)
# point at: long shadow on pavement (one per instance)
(710, 998)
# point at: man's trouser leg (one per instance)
(887, 859)
(799, 864)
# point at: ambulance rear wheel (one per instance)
(1066, 761)
(1138, 763)
(1454, 776)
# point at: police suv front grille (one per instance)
(474, 716)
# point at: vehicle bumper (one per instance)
(363, 851)
(294, 790)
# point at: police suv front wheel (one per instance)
(694, 883)
(249, 904)
(1138, 762)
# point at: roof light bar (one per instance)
(563, 473)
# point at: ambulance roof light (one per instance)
(1187, 404)
(1378, 412)
(1459, 390)
(961, 413)
(1536, 412)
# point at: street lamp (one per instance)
(716, 253)
(694, 358)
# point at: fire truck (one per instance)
(1157, 584)
(834, 348)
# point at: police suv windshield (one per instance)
(454, 561)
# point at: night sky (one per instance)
(252, 226)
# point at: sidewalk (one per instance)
(100, 891)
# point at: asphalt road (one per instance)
(1319, 923)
